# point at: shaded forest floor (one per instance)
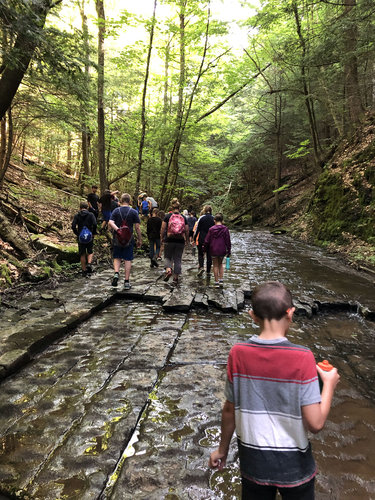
(39, 204)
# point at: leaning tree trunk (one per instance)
(22, 52)
(101, 129)
(10, 234)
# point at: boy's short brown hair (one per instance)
(271, 300)
(126, 198)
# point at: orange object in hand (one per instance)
(325, 365)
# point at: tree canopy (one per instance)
(184, 110)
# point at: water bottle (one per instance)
(227, 263)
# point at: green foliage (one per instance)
(301, 152)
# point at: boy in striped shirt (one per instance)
(272, 400)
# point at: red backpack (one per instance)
(176, 226)
(124, 234)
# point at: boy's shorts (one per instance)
(254, 491)
(124, 253)
(106, 215)
(85, 247)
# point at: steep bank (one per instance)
(333, 207)
(341, 212)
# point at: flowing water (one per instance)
(127, 406)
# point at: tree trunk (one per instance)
(279, 152)
(143, 111)
(172, 169)
(101, 129)
(306, 92)
(22, 52)
(163, 156)
(352, 89)
(85, 171)
(6, 159)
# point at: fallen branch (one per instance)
(26, 219)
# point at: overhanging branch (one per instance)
(224, 101)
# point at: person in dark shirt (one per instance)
(204, 223)
(81, 219)
(124, 253)
(153, 233)
(92, 200)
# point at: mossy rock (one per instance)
(68, 253)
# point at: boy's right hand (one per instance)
(332, 377)
(217, 460)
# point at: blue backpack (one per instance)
(85, 236)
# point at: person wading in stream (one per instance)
(84, 227)
(175, 232)
(204, 223)
(153, 233)
(124, 214)
(272, 399)
(217, 244)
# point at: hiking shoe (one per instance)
(217, 284)
(221, 283)
(168, 274)
(175, 282)
(89, 268)
(84, 273)
(200, 271)
(154, 263)
(115, 280)
(127, 285)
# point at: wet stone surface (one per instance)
(127, 404)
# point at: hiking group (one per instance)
(272, 392)
(168, 234)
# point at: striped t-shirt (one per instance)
(268, 381)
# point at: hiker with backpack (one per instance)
(175, 233)
(84, 227)
(122, 221)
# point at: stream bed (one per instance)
(127, 405)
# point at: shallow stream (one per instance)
(127, 406)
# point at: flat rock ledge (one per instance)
(45, 316)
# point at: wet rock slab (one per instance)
(180, 300)
(185, 412)
(83, 413)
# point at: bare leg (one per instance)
(221, 267)
(116, 265)
(128, 266)
(215, 262)
(83, 262)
